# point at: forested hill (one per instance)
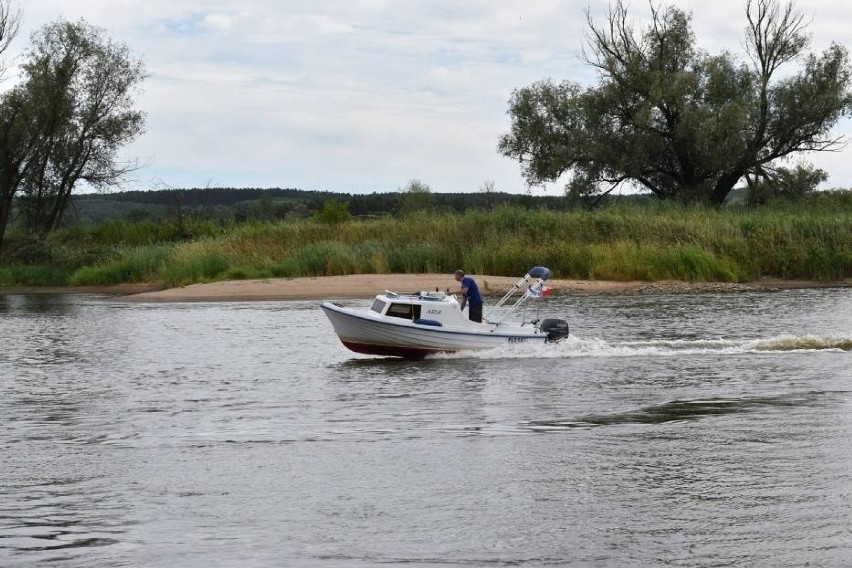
(282, 203)
(213, 196)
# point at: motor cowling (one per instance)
(555, 329)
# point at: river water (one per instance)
(669, 430)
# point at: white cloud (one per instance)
(219, 22)
(362, 95)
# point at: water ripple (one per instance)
(669, 431)
(680, 410)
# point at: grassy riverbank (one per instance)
(811, 239)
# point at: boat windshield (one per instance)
(377, 306)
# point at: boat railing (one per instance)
(427, 295)
(436, 296)
(499, 313)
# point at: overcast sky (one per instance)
(363, 95)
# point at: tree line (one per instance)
(237, 204)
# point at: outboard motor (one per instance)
(556, 329)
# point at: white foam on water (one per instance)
(576, 346)
(802, 343)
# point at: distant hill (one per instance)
(275, 203)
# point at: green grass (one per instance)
(32, 276)
(140, 264)
(199, 261)
(811, 239)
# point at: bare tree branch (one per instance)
(775, 34)
(10, 24)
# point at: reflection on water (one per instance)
(690, 430)
(36, 305)
(678, 410)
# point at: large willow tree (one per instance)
(66, 121)
(675, 120)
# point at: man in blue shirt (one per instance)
(470, 295)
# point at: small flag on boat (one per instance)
(543, 292)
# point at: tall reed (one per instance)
(665, 241)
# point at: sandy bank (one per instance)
(368, 285)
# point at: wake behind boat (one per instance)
(415, 325)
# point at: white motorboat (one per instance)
(415, 325)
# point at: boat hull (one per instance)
(363, 332)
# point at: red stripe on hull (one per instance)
(390, 350)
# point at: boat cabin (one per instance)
(424, 308)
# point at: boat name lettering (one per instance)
(433, 312)
(517, 339)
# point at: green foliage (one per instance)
(140, 264)
(414, 257)
(28, 249)
(333, 213)
(65, 122)
(241, 273)
(672, 119)
(808, 239)
(318, 259)
(662, 242)
(32, 276)
(785, 183)
(227, 206)
(197, 262)
(121, 232)
(415, 197)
